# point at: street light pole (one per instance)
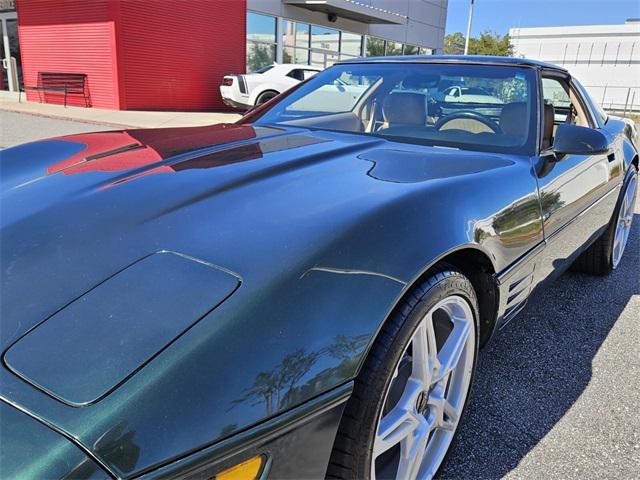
(466, 42)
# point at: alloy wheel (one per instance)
(426, 396)
(623, 225)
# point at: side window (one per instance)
(308, 73)
(296, 73)
(565, 101)
(555, 94)
(597, 114)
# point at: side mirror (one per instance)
(573, 139)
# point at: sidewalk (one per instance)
(116, 118)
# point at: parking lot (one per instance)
(556, 392)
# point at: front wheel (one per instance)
(410, 395)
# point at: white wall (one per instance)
(604, 58)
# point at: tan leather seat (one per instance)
(404, 108)
(514, 119)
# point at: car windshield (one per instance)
(415, 103)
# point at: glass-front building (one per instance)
(275, 39)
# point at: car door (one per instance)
(577, 192)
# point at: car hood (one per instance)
(229, 240)
(75, 210)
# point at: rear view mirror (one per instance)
(421, 82)
(576, 140)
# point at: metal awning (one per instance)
(351, 9)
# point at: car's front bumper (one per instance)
(297, 444)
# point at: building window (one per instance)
(410, 50)
(350, 45)
(314, 45)
(375, 47)
(261, 41)
(393, 48)
(325, 46)
(295, 41)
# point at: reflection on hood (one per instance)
(133, 149)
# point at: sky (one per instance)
(500, 15)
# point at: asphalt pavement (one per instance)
(557, 392)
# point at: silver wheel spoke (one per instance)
(400, 422)
(451, 422)
(618, 236)
(630, 197)
(412, 451)
(453, 347)
(434, 361)
(421, 358)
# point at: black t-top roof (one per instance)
(468, 59)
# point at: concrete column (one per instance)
(279, 40)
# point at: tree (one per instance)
(489, 43)
(259, 56)
(454, 44)
(375, 47)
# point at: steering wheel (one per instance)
(469, 115)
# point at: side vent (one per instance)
(519, 292)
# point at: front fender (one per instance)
(265, 350)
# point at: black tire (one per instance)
(264, 97)
(597, 259)
(351, 455)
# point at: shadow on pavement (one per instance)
(538, 366)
